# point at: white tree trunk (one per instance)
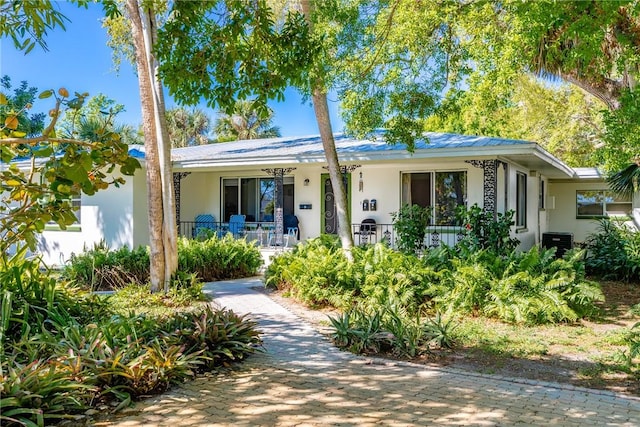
(169, 230)
(162, 222)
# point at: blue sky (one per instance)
(79, 60)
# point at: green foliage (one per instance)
(526, 287)
(520, 287)
(52, 170)
(410, 224)
(633, 342)
(64, 350)
(245, 123)
(563, 119)
(483, 231)
(626, 182)
(613, 251)
(404, 54)
(260, 57)
(209, 259)
(27, 24)
(319, 274)
(101, 268)
(390, 329)
(218, 258)
(187, 127)
(90, 121)
(316, 273)
(221, 336)
(21, 101)
(622, 137)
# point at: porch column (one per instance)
(177, 177)
(278, 216)
(490, 183)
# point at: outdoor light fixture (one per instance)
(306, 182)
(361, 183)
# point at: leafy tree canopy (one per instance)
(98, 113)
(221, 51)
(563, 119)
(41, 174)
(17, 103)
(404, 57)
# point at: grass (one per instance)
(588, 353)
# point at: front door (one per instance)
(329, 211)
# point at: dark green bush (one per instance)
(210, 259)
(63, 350)
(526, 287)
(613, 251)
(519, 287)
(483, 231)
(218, 258)
(319, 274)
(410, 225)
(101, 268)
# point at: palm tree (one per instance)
(627, 181)
(187, 127)
(245, 123)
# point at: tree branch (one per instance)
(38, 139)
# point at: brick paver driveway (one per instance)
(303, 381)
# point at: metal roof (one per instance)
(312, 146)
(589, 173)
(308, 149)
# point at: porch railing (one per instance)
(435, 236)
(363, 234)
(260, 231)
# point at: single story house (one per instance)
(268, 181)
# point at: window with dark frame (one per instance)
(447, 190)
(254, 198)
(521, 200)
(601, 203)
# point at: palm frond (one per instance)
(625, 182)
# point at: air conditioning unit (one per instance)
(561, 241)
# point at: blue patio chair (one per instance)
(235, 226)
(204, 223)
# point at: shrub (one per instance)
(526, 287)
(210, 259)
(390, 329)
(410, 225)
(613, 251)
(218, 258)
(319, 274)
(483, 231)
(101, 268)
(63, 350)
(316, 272)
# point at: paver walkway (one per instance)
(302, 380)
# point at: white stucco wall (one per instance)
(106, 215)
(200, 191)
(140, 209)
(562, 216)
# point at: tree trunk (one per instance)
(162, 232)
(321, 109)
(169, 226)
